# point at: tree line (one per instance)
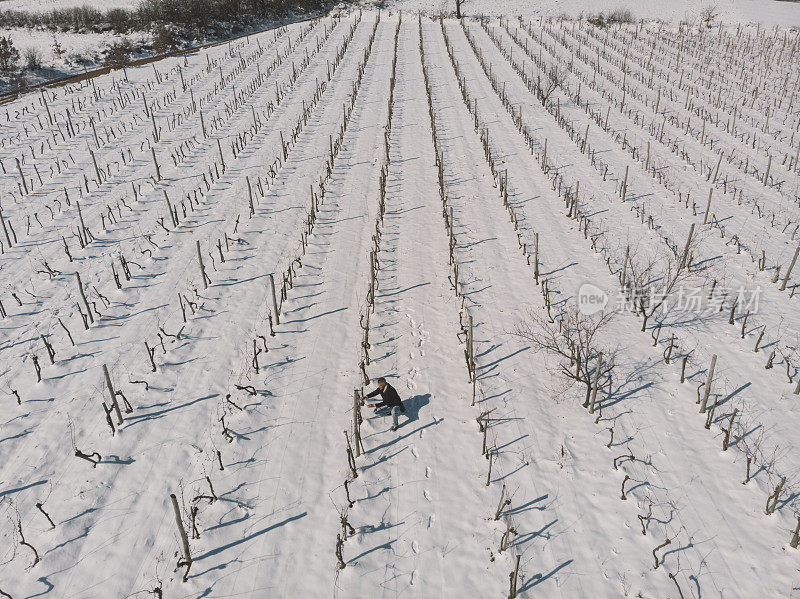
(150, 13)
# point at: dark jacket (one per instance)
(389, 397)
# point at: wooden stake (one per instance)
(471, 351)
(250, 195)
(187, 556)
(789, 270)
(686, 248)
(274, 300)
(169, 209)
(5, 229)
(206, 280)
(356, 423)
(44, 99)
(94, 130)
(22, 176)
(221, 157)
(625, 185)
(155, 162)
(512, 592)
(708, 384)
(708, 205)
(155, 128)
(769, 166)
(716, 170)
(112, 394)
(83, 297)
(594, 382)
(96, 169)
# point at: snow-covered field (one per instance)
(766, 12)
(437, 202)
(45, 5)
(63, 54)
(66, 53)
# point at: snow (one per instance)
(47, 5)
(767, 12)
(78, 50)
(242, 416)
(84, 51)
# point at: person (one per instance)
(389, 398)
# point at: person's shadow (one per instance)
(412, 405)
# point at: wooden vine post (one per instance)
(707, 390)
(203, 275)
(274, 299)
(789, 270)
(83, 297)
(595, 381)
(187, 555)
(155, 162)
(113, 394)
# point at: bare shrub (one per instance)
(554, 76)
(653, 277)
(164, 40)
(119, 54)
(598, 20)
(621, 15)
(33, 58)
(574, 339)
(58, 50)
(708, 15)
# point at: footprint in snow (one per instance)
(431, 520)
(427, 494)
(428, 472)
(413, 576)
(414, 546)
(414, 451)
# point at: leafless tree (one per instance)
(574, 339)
(652, 278)
(553, 77)
(708, 15)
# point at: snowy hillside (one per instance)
(571, 250)
(766, 12)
